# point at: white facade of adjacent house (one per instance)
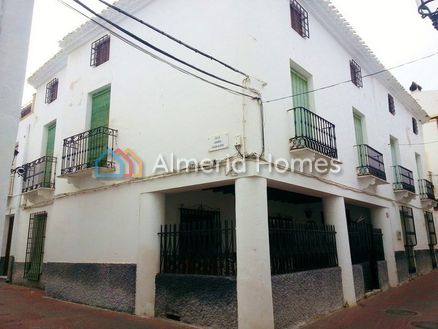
(101, 244)
(14, 41)
(429, 101)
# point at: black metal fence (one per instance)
(88, 150)
(198, 247)
(426, 189)
(403, 179)
(313, 132)
(38, 174)
(35, 246)
(366, 243)
(301, 247)
(370, 162)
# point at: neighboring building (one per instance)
(14, 42)
(231, 247)
(429, 101)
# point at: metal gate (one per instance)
(366, 247)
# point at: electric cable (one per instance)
(125, 40)
(348, 81)
(157, 49)
(171, 37)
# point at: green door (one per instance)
(50, 147)
(358, 128)
(35, 247)
(98, 140)
(395, 152)
(300, 88)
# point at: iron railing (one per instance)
(430, 228)
(403, 179)
(198, 247)
(38, 174)
(301, 247)
(313, 132)
(35, 246)
(426, 189)
(366, 243)
(370, 162)
(93, 148)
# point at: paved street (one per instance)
(23, 308)
(413, 305)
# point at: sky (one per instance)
(391, 28)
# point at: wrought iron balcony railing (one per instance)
(313, 132)
(426, 189)
(93, 148)
(370, 162)
(403, 179)
(38, 174)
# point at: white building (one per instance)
(272, 243)
(14, 42)
(429, 101)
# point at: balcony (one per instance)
(404, 184)
(371, 166)
(38, 178)
(313, 135)
(427, 194)
(83, 152)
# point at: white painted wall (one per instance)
(14, 40)
(159, 110)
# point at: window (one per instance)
(25, 111)
(408, 226)
(356, 74)
(35, 246)
(100, 51)
(52, 91)
(430, 226)
(415, 126)
(391, 104)
(299, 19)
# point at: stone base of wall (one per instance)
(423, 260)
(201, 300)
(402, 266)
(18, 276)
(382, 270)
(110, 286)
(359, 284)
(303, 296)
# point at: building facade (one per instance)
(429, 101)
(141, 189)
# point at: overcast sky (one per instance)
(392, 28)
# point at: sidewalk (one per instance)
(412, 305)
(24, 308)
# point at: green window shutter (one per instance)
(100, 109)
(98, 141)
(50, 148)
(300, 87)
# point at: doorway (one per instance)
(8, 245)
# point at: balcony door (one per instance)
(98, 140)
(360, 138)
(300, 88)
(50, 149)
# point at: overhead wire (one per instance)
(130, 43)
(172, 37)
(348, 81)
(157, 49)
